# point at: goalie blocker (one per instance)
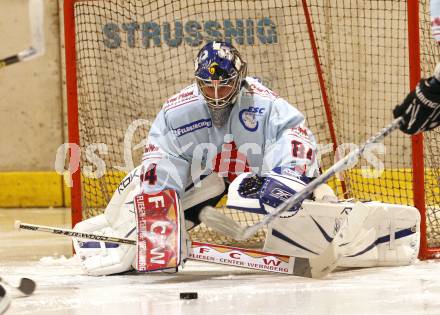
(153, 222)
(158, 231)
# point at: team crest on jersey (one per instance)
(249, 117)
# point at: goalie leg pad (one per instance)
(391, 238)
(205, 188)
(88, 248)
(206, 191)
(99, 258)
(388, 237)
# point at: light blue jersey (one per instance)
(263, 132)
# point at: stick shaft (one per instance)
(72, 233)
(218, 254)
(9, 61)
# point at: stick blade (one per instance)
(326, 262)
(17, 224)
(221, 223)
(36, 20)
(27, 286)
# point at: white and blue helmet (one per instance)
(219, 73)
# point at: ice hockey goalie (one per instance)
(229, 133)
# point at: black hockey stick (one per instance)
(227, 226)
(27, 286)
(71, 233)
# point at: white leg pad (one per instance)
(209, 187)
(389, 236)
(100, 258)
(394, 236)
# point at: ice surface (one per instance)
(63, 289)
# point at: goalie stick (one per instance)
(37, 42)
(72, 233)
(315, 267)
(227, 226)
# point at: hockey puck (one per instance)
(188, 295)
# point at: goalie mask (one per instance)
(219, 73)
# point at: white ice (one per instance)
(62, 288)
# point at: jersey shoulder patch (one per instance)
(186, 96)
(256, 88)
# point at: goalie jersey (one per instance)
(263, 133)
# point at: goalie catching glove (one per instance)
(253, 193)
(421, 108)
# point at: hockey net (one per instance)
(344, 64)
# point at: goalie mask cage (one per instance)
(345, 64)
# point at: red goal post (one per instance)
(344, 64)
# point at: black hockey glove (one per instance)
(420, 109)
